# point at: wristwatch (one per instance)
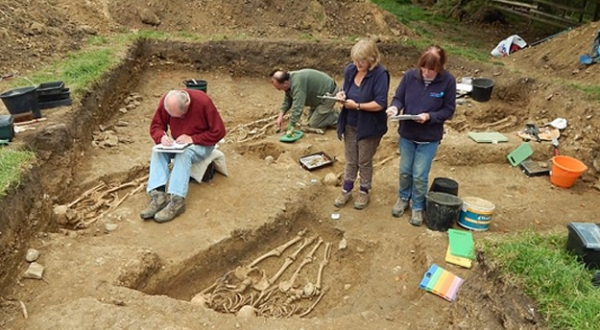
(358, 106)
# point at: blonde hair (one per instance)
(366, 50)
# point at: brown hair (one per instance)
(433, 58)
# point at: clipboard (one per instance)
(330, 97)
(175, 148)
(404, 117)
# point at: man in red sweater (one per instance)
(184, 117)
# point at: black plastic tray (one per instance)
(314, 161)
(52, 92)
(55, 104)
(50, 88)
(64, 94)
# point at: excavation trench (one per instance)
(61, 143)
(274, 268)
(200, 253)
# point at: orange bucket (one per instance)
(565, 171)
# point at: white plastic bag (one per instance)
(508, 46)
(216, 157)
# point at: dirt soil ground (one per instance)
(106, 269)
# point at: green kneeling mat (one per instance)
(294, 137)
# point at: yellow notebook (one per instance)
(455, 260)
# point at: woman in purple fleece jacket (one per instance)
(363, 120)
(429, 91)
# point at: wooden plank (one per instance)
(517, 4)
(563, 7)
(562, 19)
(539, 19)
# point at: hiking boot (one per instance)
(417, 218)
(158, 201)
(342, 199)
(399, 208)
(362, 201)
(176, 207)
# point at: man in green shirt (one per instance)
(303, 88)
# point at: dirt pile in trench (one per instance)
(34, 33)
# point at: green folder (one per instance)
(461, 243)
(487, 137)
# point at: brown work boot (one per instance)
(399, 208)
(417, 218)
(176, 207)
(342, 199)
(158, 201)
(362, 201)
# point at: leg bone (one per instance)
(279, 250)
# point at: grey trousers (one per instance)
(323, 115)
(359, 157)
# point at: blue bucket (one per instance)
(476, 213)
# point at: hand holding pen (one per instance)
(166, 139)
(341, 96)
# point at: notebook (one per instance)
(461, 243)
(175, 148)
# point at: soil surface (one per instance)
(107, 269)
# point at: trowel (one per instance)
(555, 144)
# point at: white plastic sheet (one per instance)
(508, 46)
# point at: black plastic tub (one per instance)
(21, 100)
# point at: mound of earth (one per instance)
(35, 34)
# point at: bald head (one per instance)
(280, 80)
(176, 103)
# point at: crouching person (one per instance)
(188, 125)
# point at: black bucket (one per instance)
(482, 89)
(445, 185)
(201, 85)
(21, 100)
(441, 210)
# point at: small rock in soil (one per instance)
(32, 255)
(35, 271)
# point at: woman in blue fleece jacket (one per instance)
(363, 121)
(428, 91)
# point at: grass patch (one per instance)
(593, 91)
(540, 264)
(433, 28)
(11, 164)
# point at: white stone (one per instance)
(330, 179)
(343, 244)
(35, 271)
(109, 227)
(32, 255)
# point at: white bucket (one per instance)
(476, 213)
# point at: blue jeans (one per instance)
(415, 164)
(182, 165)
